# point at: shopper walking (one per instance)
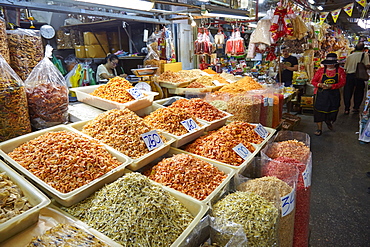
(327, 81)
(288, 65)
(353, 85)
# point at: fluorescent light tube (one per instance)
(229, 16)
(131, 4)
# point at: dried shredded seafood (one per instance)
(120, 129)
(291, 149)
(190, 74)
(115, 90)
(187, 174)
(168, 119)
(245, 84)
(196, 84)
(170, 76)
(64, 160)
(12, 200)
(219, 144)
(134, 211)
(245, 107)
(206, 80)
(200, 109)
(65, 235)
(257, 215)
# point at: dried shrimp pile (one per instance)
(245, 84)
(170, 76)
(115, 90)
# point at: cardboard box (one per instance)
(175, 67)
(96, 51)
(113, 38)
(306, 101)
(92, 38)
(80, 51)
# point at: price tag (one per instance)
(217, 83)
(261, 131)
(287, 203)
(190, 125)
(242, 151)
(271, 101)
(152, 140)
(307, 175)
(265, 101)
(203, 73)
(135, 93)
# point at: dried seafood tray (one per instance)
(163, 101)
(50, 217)
(143, 160)
(83, 95)
(168, 84)
(184, 90)
(76, 195)
(37, 200)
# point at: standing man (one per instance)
(288, 65)
(354, 86)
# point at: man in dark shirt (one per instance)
(288, 65)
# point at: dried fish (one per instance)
(12, 200)
(134, 211)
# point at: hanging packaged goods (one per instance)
(235, 44)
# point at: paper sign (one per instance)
(265, 101)
(287, 203)
(135, 93)
(271, 101)
(230, 81)
(242, 151)
(152, 140)
(190, 125)
(307, 175)
(217, 83)
(261, 131)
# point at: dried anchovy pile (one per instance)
(65, 235)
(14, 118)
(115, 90)
(267, 188)
(168, 119)
(219, 144)
(12, 200)
(170, 76)
(245, 108)
(257, 215)
(134, 211)
(120, 129)
(188, 175)
(245, 84)
(64, 160)
(200, 109)
(48, 105)
(291, 149)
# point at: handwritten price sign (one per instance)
(261, 131)
(152, 140)
(190, 125)
(242, 151)
(287, 203)
(135, 93)
(307, 175)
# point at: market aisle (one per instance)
(340, 204)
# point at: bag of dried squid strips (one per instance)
(47, 94)
(14, 118)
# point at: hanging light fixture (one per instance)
(193, 23)
(128, 4)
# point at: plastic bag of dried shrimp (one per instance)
(47, 94)
(14, 118)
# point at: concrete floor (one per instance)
(340, 204)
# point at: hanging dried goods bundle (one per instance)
(257, 216)
(187, 174)
(115, 90)
(120, 129)
(134, 211)
(200, 109)
(168, 119)
(269, 188)
(64, 160)
(292, 149)
(13, 202)
(66, 235)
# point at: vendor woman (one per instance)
(107, 70)
(327, 81)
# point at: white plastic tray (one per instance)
(168, 84)
(184, 90)
(50, 217)
(246, 162)
(83, 95)
(70, 198)
(138, 163)
(26, 219)
(162, 101)
(230, 172)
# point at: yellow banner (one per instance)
(362, 2)
(323, 16)
(335, 14)
(348, 9)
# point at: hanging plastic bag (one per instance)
(14, 118)
(47, 94)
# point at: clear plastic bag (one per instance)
(47, 94)
(4, 51)
(14, 118)
(26, 48)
